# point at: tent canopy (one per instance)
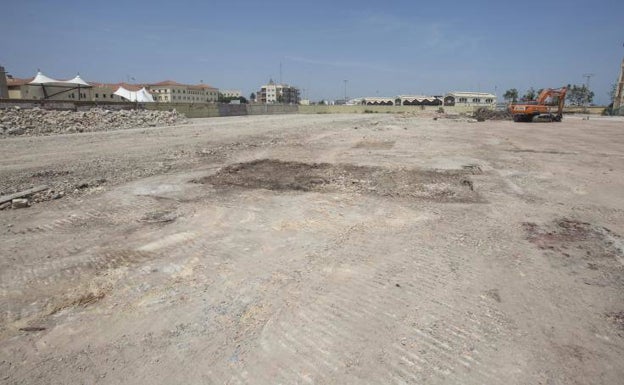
(141, 96)
(42, 80)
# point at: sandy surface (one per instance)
(325, 249)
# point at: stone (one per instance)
(20, 203)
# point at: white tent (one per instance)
(141, 96)
(64, 85)
(42, 80)
(78, 80)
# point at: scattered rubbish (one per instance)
(482, 114)
(21, 194)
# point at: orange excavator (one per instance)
(547, 108)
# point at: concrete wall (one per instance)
(584, 110)
(64, 105)
(202, 110)
(360, 109)
(272, 109)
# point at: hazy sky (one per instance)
(382, 48)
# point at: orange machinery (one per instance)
(547, 108)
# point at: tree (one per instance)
(579, 95)
(530, 94)
(511, 95)
(252, 96)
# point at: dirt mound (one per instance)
(434, 185)
(482, 114)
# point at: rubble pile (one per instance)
(483, 114)
(38, 121)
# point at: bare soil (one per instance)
(326, 249)
(435, 185)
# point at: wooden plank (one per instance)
(10, 197)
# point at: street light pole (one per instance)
(345, 91)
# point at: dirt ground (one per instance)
(326, 249)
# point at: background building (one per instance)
(278, 93)
(378, 101)
(457, 98)
(170, 91)
(231, 93)
(418, 100)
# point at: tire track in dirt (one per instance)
(350, 311)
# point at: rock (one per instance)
(20, 203)
(15, 131)
(5, 205)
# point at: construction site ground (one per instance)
(322, 249)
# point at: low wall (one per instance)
(65, 105)
(190, 110)
(361, 109)
(594, 110)
(201, 110)
(272, 109)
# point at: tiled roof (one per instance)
(167, 83)
(171, 83)
(18, 81)
(115, 86)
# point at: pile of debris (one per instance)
(482, 114)
(38, 121)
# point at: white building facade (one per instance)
(470, 99)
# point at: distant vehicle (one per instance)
(547, 108)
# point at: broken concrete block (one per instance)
(20, 203)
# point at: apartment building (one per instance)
(278, 93)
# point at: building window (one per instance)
(489, 100)
(476, 100)
(463, 100)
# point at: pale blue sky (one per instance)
(381, 48)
